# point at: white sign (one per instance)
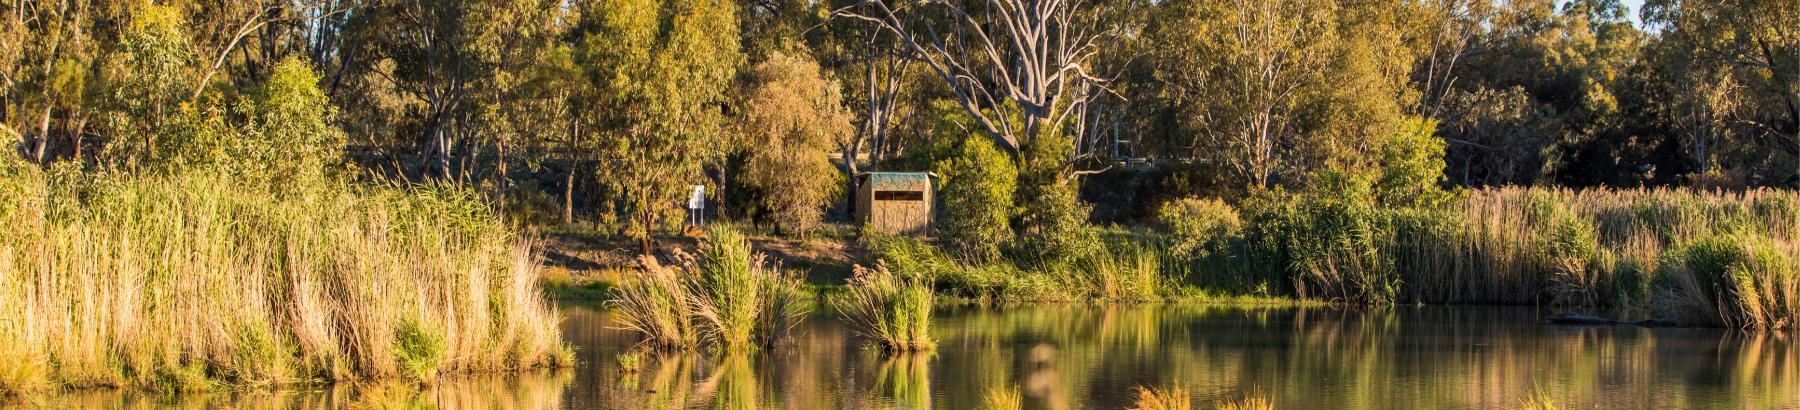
(698, 199)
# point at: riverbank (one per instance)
(1674, 254)
(199, 282)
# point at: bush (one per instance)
(1328, 246)
(977, 190)
(891, 308)
(1193, 223)
(1731, 280)
(1059, 228)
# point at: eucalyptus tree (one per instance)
(660, 69)
(48, 52)
(1758, 41)
(1004, 59)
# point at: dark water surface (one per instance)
(1090, 357)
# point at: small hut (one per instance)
(897, 203)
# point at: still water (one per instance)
(1091, 357)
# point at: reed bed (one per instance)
(1687, 256)
(188, 282)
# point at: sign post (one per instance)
(697, 206)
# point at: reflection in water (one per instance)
(1072, 357)
(522, 391)
(1060, 357)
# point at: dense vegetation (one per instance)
(194, 281)
(1339, 150)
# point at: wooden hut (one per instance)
(897, 203)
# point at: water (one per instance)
(1088, 357)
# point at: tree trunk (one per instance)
(569, 177)
(505, 182)
(43, 142)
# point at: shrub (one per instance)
(1059, 228)
(1327, 246)
(1412, 167)
(977, 190)
(1193, 223)
(891, 308)
(1731, 280)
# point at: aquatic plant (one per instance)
(729, 297)
(183, 281)
(1731, 280)
(1538, 400)
(1003, 398)
(658, 305)
(1170, 398)
(628, 362)
(744, 300)
(890, 308)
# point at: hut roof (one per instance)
(915, 181)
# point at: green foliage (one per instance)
(1731, 280)
(977, 188)
(418, 349)
(1328, 246)
(1195, 223)
(1571, 246)
(1412, 167)
(662, 68)
(292, 136)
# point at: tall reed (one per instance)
(189, 281)
(729, 297)
(890, 308)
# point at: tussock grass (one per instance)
(890, 308)
(1003, 398)
(728, 296)
(1170, 398)
(191, 281)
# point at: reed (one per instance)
(892, 309)
(186, 282)
(1731, 280)
(1003, 398)
(729, 297)
(1171, 398)
(1247, 403)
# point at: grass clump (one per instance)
(629, 362)
(890, 308)
(183, 280)
(1247, 403)
(729, 297)
(1731, 280)
(1171, 398)
(1002, 398)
